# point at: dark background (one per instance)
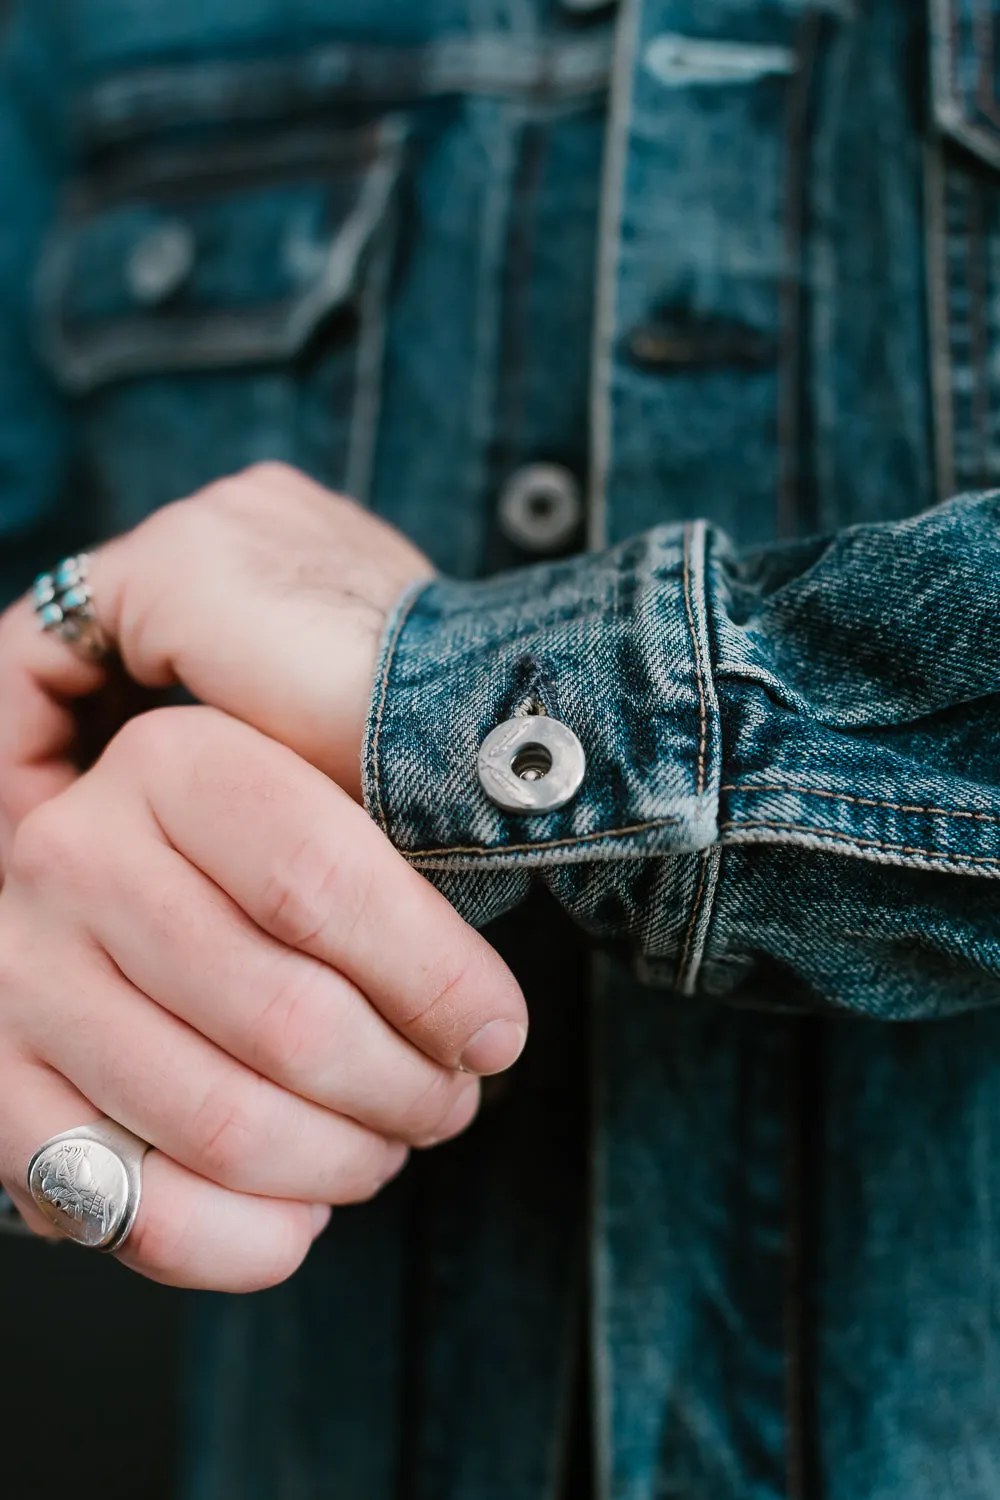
(88, 1354)
(88, 1357)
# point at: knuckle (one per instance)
(460, 994)
(49, 845)
(189, 530)
(286, 1248)
(166, 743)
(441, 1015)
(362, 1172)
(287, 1035)
(226, 1132)
(294, 914)
(268, 471)
(243, 490)
(420, 1122)
(162, 525)
(150, 741)
(305, 891)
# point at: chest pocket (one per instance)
(206, 307)
(963, 221)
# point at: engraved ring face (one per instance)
(82, 1188)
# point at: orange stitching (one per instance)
(832, 833)
(811, 791)
(384, 688)
(695, 909)
(583, 838)
(697, 659)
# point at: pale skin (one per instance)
(205, 937)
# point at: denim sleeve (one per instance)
(34, 432)
(792, 795)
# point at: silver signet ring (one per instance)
(88, 1183)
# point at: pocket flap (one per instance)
(213, 257)
(965, 73)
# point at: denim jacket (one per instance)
(730, 270)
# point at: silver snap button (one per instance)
(160, 263)
(540, 507)
(532, 764)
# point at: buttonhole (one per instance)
(531, 763)
(530, 707)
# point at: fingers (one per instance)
(167, 1084)
(189, 1232)
(311, 869)
(284, 1014)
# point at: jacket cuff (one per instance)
(614, 645)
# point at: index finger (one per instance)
(311, 868)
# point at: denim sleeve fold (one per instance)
(792, 794)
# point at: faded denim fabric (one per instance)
(733, 265)
(829, 705)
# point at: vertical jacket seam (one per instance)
(975, 276)
(790, 290)
(612, 203)
(608, 258)
(501, 136)
(938, 319)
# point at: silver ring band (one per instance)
(63, 605)
(88, 1183)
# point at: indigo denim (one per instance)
(733, 265)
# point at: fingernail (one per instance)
(321, 1217)
(495, 1047)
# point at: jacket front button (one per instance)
(539, 508)
(160, 263)
(531, 764)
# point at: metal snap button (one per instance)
(160, 263)
(540, 507)
(531, 764)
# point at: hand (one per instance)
(265, 595)
(206, 940)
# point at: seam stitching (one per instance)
(565, 843)
(692, 923)
(847, 838)
(906, 807)
(390, 652)
(696, 647)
